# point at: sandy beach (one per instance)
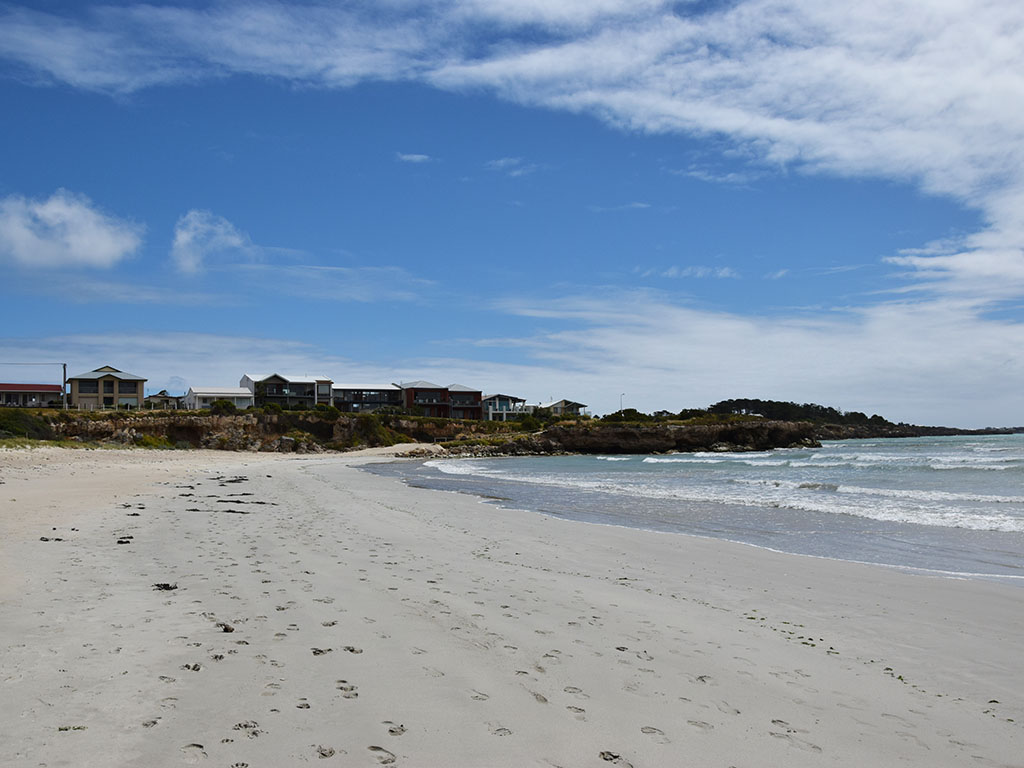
(209, 608)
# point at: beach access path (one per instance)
(208, 608)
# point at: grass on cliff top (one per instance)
(27, 443)
(18, 422)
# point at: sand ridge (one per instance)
(237, 610)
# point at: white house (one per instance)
(564, 408)
(499, 407)
(203, 397)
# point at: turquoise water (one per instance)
(951, 504)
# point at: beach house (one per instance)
(564, 408)
(503, 407)
(465, 402)
(365, 398)
(106, 387)
(425, 397)
(162, 401)
(452, 402)
(30, 395)
(198, 398)
(289, 390)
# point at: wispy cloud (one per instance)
(732, 178)
(907, 90)
(673, 356)
(412, 158)
(65, 230)
(339, 283)
(198, 235)
(692, 271)
(634, 206)
(511, 166)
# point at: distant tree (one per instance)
(223, 408)
(787, 411)
(627, 414)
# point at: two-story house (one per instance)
(288, 390)
(503, 407)
(106, 387)
(353, 398)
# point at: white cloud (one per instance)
(911, 90)
(634, 206)
(412, 158)
(511, 166)
(65, 230)
(921, 362)
(694, 271)
(201, 234)
(731, 178)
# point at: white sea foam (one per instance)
(892, 482)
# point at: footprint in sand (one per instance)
(657, 733)
(324, 752)
(579, 712)
(384, 757)
(701, 725)
(395, 729)
(726, 708)
(476, 695)
(788, 733)
(615, 759)
(347, 689)
(193, 753)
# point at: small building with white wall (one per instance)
(198, 398)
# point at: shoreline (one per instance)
(453, 632)
(924, 547)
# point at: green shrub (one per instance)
(15, 422)
(223, 408)
(150, 441)
(328, 412)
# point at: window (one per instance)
(108, 401)
(108, 387)
(128, 388)
(88, 387)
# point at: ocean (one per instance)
(948, 505)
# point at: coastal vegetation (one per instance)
(729, 425)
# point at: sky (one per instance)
(653, 204)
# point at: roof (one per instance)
(304, 378)
(366, 387)
(163, 395)
(227, 391)
(509, 397)
(564, 403)
(106, 370)
(461, 388)
(31, 388)
(419, 385)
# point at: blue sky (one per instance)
(682, 202)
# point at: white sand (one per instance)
(453, 633)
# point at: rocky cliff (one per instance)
(662, 438)
(306, 432)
